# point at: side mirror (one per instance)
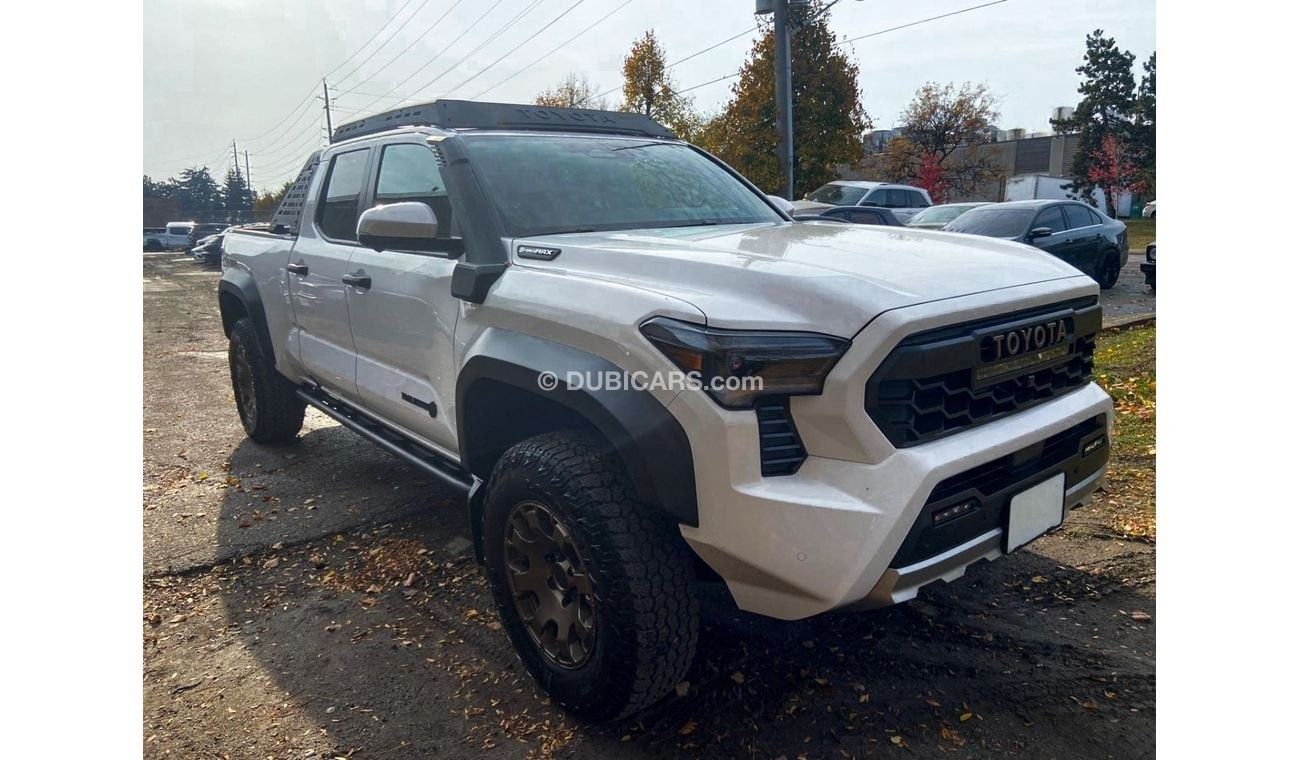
(871, 204)
(1040, 232)
(781, 203)
(404, 226)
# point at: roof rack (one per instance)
(465, 114)
(288, 217)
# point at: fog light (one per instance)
(1093, 445)
(957, 510)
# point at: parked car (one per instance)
(1149, 266)
(1149, 210)
(902, 200)
(208, 250)
(632, 382)
(201, 231)
(935, 217)
(1074, 232)
(153, 239)
(862, 215)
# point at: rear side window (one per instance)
(1079, 216)
(898, 199)
(412, 173)
(918, 200)
(1050, 218)
(341, 195)
(1096, 218)
(866, 217)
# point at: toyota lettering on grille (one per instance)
(1013, 343)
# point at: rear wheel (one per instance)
(1108, 270)
(593, 588)
(269, 408)
(153, 246)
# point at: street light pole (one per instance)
(784, 102)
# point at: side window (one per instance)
(411, 173)
(918, 200)
(341, 195)
(1078, 216)
(1050, 217)
(898, 199)
(1096, 218)
(864, 217)
(878, 197)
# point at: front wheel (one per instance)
(593, 589)
(1108, 270)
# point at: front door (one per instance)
(404, 322)
(1057, 243)
(318, 266)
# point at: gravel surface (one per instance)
(319, 600)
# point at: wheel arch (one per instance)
(238, 297)
(499, 403)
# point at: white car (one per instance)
(640, 376)
(1149, 210)
(903, 200)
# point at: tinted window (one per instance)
(1079, 216)
(918, 200)
(899, 199)
(341, 196)
(1096, 218)
(411, 173)
(1051, 218)
(544, 184)
(993, 221)
(865, 217)
(837, 195)
(938, 214)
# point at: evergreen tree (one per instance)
(1144, 124)
(235, 198)
(197, 194)
(1106, 108)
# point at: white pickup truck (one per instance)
(175, 235)
(646, 376)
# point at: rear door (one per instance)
(318, 269)
(1086, 241)
(403, 323)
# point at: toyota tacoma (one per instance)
(494, 293)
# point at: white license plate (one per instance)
(1035, 511)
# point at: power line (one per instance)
(683, 60)
(922, 21)
(393, 60)
(381, 28)
(425, 65)
(526, 40)
(389, 39)
(551, 52)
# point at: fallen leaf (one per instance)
(688, 728)
(683, 688)
(965, 717)
(1141, 617)
(270, 563)
(738, 677)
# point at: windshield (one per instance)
(838, 195)
(938, 214)
(547, 184)
(992, 222)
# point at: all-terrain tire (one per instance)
(1107, 270)
(646, 615)
(268, 406)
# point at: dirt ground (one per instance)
(319, 600)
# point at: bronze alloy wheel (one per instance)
(549, 584)
(244, 395)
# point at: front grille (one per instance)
(779, 449)
(990, 487)
(930, 385)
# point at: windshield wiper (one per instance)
(642, 145)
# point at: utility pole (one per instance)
(780, 10)
(329, 121)
(248, 186)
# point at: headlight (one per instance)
(1151, 253)
(738, 366)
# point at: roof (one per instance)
(466, 114)
(1035, 202)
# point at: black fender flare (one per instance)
(650, 441)
(239, 285)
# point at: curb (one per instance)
(1127, 322)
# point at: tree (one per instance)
(1113, 170)
(648, 89)
(197, 194)
(829, 120)
(1144, 124)
(236, 200)
(1105, 109)
(576, 91)
(265, 204)
(940, 128)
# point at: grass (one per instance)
(1140, 232)
(1126, 368)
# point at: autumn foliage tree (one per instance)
(1105, 109)
(939, 129)
(576, 91)
(829, 120)
(1113, 170)
(648, 88)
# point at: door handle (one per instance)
(298, 269)
(358, 279)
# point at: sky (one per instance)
(249, 72)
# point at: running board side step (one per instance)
(393, 442)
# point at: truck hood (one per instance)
(828, 278)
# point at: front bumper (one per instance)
(1149, 269)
